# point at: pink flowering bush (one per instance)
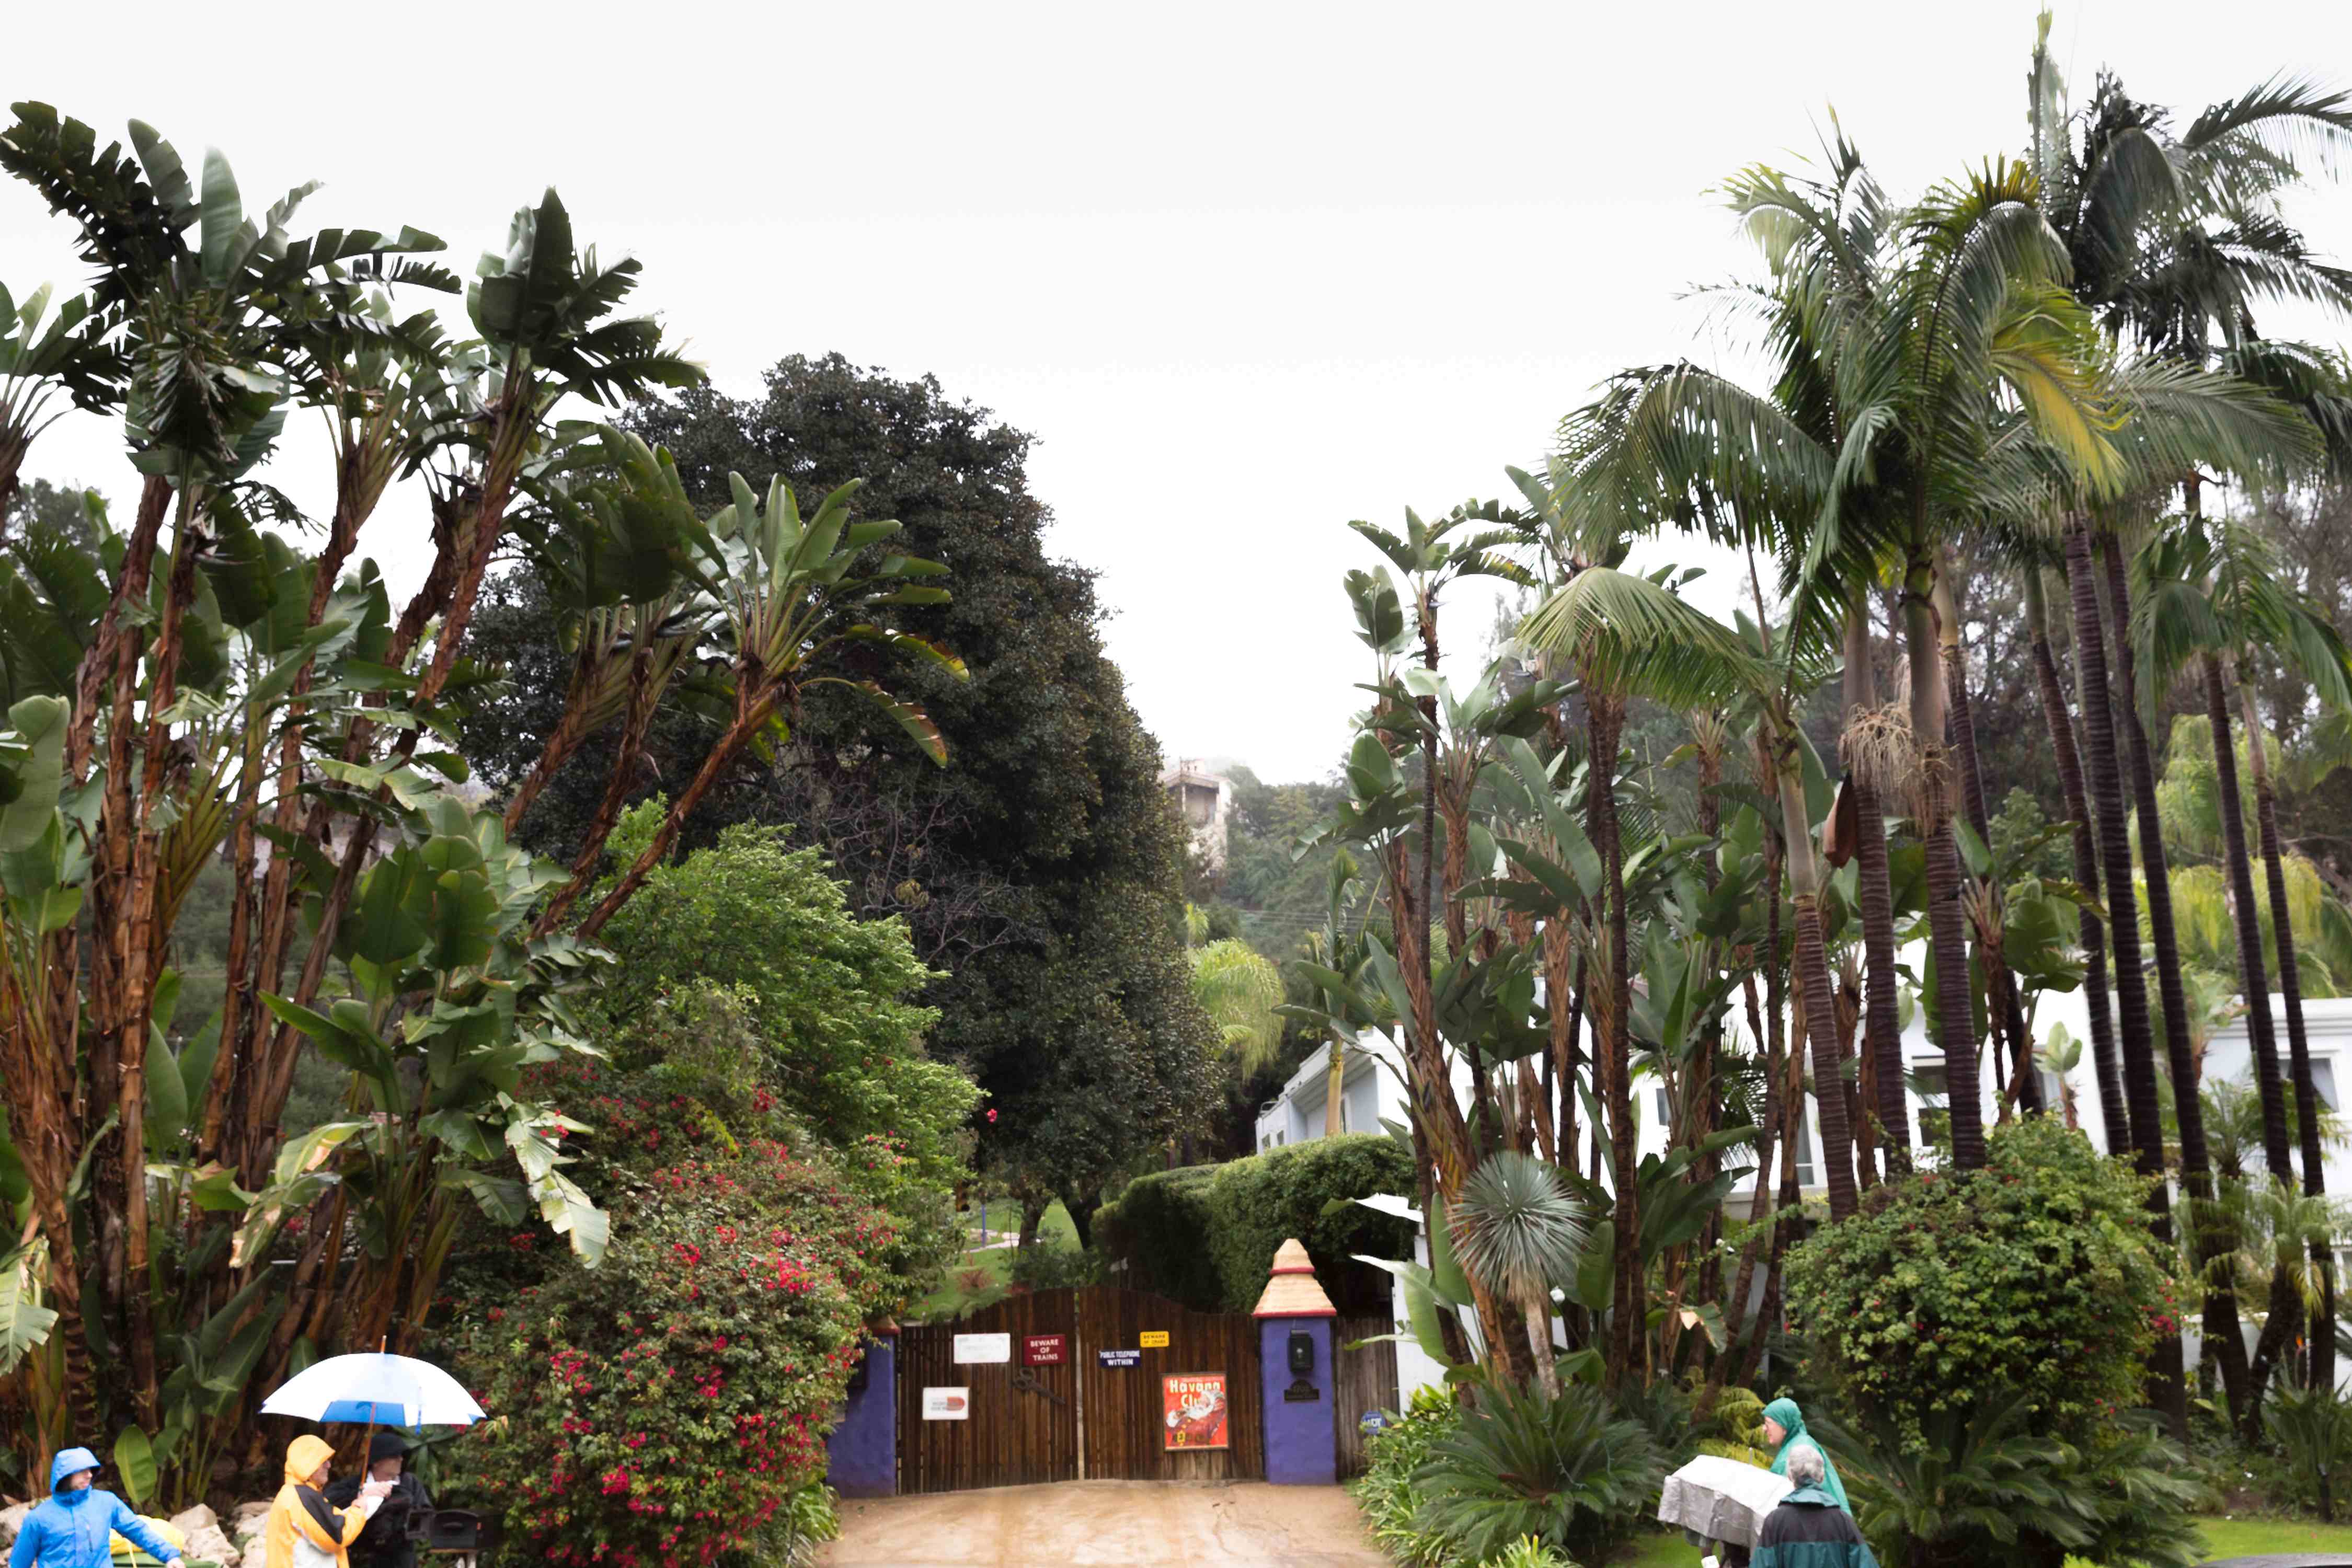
(661, 1409)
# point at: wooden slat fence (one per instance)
(1364, 1379)
(1022, 1424)
(1126, 1422)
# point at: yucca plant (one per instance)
(1561, 1469)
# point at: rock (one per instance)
(195, 1519)
(11, 1521)
(247, 1522)
(207, 1543)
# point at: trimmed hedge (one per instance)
(1206, 1235)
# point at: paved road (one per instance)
(1108, 1524)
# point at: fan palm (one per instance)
(1517, 1226)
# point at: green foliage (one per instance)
(1984, 1486)
(1563, 1469)
(1046, 1267)
(1205, 1235)
(741, 968)
(2313, 1429)
(670, 1404)
(1388, 1493)
(2037, 1275)
(807, 1520)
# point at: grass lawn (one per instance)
(981, 1278)
(2228, 1538)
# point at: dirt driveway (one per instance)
(1108, 1524)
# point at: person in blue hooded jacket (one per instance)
(71, 1529)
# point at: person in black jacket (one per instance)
(384, 1543)
(1809, 1529)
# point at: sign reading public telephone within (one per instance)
(1119, 1358)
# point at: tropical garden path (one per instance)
(1108, 1524)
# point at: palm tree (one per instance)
(1516, 1226)
(2175, 237)
(1897, 331)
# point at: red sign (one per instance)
(1197, 1410)
(1044, 1350)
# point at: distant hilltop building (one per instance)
(1204, 800)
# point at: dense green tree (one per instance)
(1041, 869)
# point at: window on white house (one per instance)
(2323, 1081)
(1805, 1143)
(2054, 1092)
(1935, 1101)
(1665, 1118)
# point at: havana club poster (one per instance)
(1197, 1409)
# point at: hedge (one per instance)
(1205, 1235)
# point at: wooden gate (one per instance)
(1365, 1380)
(1125, 1420)
(1020, 1424)
(1103, 1419)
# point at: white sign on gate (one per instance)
(972, 1349)
(947, 1404)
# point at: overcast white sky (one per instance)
(1246, 271)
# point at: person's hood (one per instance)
(69, 1462)
(303, 1458)
(1785, 1411)
(1811, 1497)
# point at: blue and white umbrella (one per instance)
(376, 1389)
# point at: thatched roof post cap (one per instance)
(1291, 1290)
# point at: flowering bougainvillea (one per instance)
(2038, 1274)
(659, 1410)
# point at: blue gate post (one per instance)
(862, 1454)
(1301, 1429)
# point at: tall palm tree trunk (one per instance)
(2321, 1370)
(1882, 1026)
(2167, 1391)
(1817, 1001)
(2205, 1245)
(2259, 1028)
(2252, 972)
(2000, 986)
(1628, 1308)
(2114, 1114)
(1956, 1026)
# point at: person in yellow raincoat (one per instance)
(304, 1530)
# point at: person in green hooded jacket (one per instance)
(1784, 1431)
(1809, 1529)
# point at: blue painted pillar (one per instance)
(1301, 1422)
(862, 1454)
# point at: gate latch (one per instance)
(1024, 1378)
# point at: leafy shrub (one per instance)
(1739, 1430)
(1388, 1492)
(1984, 1487)
(807, 1520)
(645, 1121)
(668, 1406)
(1562, 1470)
(2036, 1275)
(743, 966)
(2313, 1429)
(1205, 1235)
(1044, 1266)
(1528, 1552)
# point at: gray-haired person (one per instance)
(1809, 1529)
